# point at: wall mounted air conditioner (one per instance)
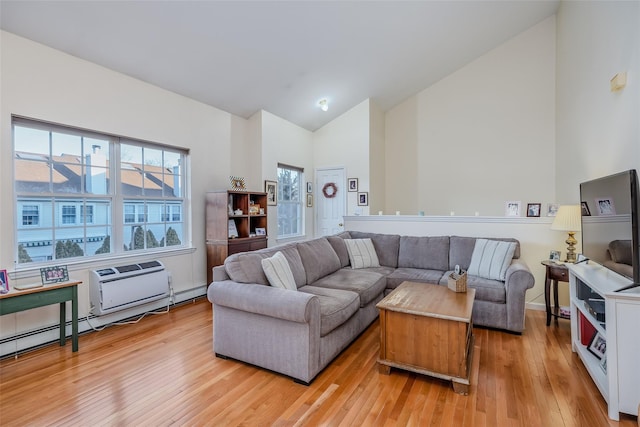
(116, 288)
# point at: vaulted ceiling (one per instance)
(280, 56)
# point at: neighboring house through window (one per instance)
(80, 193)
(290, 202)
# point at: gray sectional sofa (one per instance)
(298, 333)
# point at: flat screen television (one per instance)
(610, 224)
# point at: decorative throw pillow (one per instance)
(278, 272)
(491, 258)
(362, 254)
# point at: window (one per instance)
(30, 215)
(80, 193)
(290, 208)
(68, 214)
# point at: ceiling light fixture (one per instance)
(323, 104)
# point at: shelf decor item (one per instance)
(54, 274)
(237, 183)
(598, 346)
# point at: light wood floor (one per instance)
(162, 371)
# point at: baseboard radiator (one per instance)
(117, 288)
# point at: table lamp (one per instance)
(568, 219)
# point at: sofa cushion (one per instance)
(491, 258)
(493, 291)
(362, 254)
(386, 245)
(246, 267)
(278, 272)
(431, 253)
(461, 249)
(336, 306)
(366, 283)
(620, 251)
(413, 275)
(338, 245)
(318, 258)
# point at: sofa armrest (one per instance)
(265, 300)
(220, 273)
(518, 278)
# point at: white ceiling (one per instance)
(280, 56)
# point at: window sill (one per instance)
(30, 270)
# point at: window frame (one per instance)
(284, 202)
(110, 219)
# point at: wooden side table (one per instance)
(555, 273)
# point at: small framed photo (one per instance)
(533, 209)
(605, 206)
(598, 346)
(261, 231)
(237, 183)
(353, 184)
(552, 209)
(585, 209)
(4, 282)
(271, 188)
(603, 364)
(554, 255)
(309, 187)
(309, 200)
(512, 208)
(363, 199)
(55, 274)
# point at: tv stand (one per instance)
(618, 379)
(631, 286)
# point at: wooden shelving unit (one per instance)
(245, 217)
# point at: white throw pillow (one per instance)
(279, 272)
(362, 254)
(491, 258)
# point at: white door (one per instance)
(330, 210)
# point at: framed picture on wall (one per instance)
(309, 200)
(271, 188)
(309, 187)
(352, 184)
(363, 199)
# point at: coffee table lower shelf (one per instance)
(460, 384)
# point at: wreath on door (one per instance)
(329, 190)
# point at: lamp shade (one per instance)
(568, 218)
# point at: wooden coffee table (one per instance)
(428, 329)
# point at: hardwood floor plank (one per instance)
(162, 371)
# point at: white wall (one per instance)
(479, 137)
(344, 142)
(46, 84)
(284, 142)
(598, 131)
(377, 170)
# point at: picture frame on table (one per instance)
(598, 346)
(55, 274)
(352, 184)
(260, 231)
(237, 183)
(309, 200)
(4, 282)
(271, 188)
(552, 209)
(554, 255)
(585, 209)
(363, 199)
(533, 209)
